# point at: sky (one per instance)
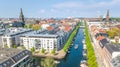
(59, 8)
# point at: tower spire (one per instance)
(21, 17)
(107, 16)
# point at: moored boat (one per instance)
(76, 46)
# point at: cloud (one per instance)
(106, 4)
(42, 11)
(68, 5)
(52, 10)
(86, 5)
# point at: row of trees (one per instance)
(90, 51)
(43, 51)
(34, 27)
(68, 43)
(115, 19)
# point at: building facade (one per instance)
(38, 41)
(12, 36)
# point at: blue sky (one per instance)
(59, 8)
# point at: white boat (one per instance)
(68, 52)
(56, 62)
(83, 63)
(83, 41)
(76, 46)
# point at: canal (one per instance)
(74, 57)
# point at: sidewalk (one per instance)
(98, 58)
(99, 61)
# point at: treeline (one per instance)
(71, 37)
(90, 51)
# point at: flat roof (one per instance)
(112, 48)
(40, 35)
(10, 31)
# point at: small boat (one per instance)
(83, 63)
(56, 62)
(76, 46)
(83, 41)
(68, 52)
(84, 53)
(71, 44)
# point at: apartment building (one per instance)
(39, 41)
(15, 58)
(12, 36)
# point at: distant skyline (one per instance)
(59, 8)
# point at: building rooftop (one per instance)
(116, 61)
(40, 35)
(15, 31)
(11, 56)
(6, 53)
(113, 48)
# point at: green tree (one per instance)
(90, 51)
(53, 52)
(71, 37)
(25, 26)
(6, 46)
(43, 50)
(48, 62)
(14, 46)
(113, 32)
(23, 47)
(32, 49)
(36, 27)
(30, 25)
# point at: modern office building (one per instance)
(10, 57)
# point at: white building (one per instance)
(44, 26)
(39, 41)
(12, 36)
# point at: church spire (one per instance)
(107, 16)
(21, 17)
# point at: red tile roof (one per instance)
(102, 30)
(67, 28)
(100, 38)
(50, 28)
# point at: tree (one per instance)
(6, 46)
(43, 50)
(48, 62)
(14, 46)
(32, 49)
(25, 26)
(36, 27)
(23, 47)
(114, 32)
(30, 25)
(53, 52)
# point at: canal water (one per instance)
(74, 57)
